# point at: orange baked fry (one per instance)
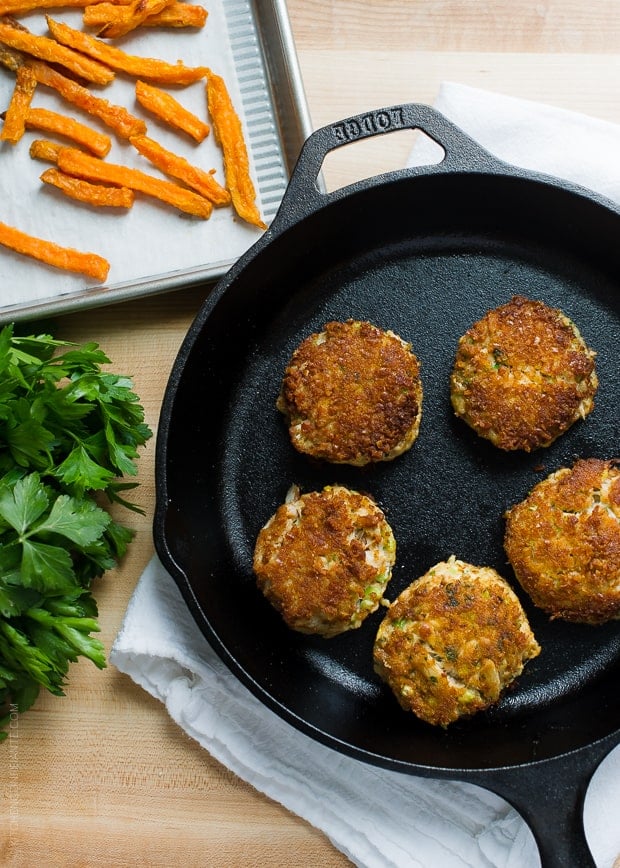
(66, 258)
(18, 7)
(42, 149)
(168, 109)
(179, 168)
(15, 116)
(175, 15)
(229, 134)
(11, 59)
(82, 165)
(47, 49)
(135, 13)
(93, 194)
(52, 122)
(117, 118)
(178, 15)
(141, 67)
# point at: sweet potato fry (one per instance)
(15, 118)
(168, 109)
(179, 168)
(141, 67)
(117, 118)
(52, 122)
(66, 258)
(82, 165)
(175, 15)
(10, 58)
(42, 149)
(47, 49)
(133, 16)
(178, 15)
(93, 194)
(18, 7)
(229, 134)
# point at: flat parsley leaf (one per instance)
(46, 568)
(83, 473)
(23, 503)
(80, 521)
(47, 531)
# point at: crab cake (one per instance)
(324, 559)
(523, 375)
(563, 542)
(352, 394)
(452, 641)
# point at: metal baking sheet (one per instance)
(250, 44)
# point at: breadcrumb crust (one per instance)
(563, 542)
(352, 394)
(452, 641)
(523, 375)
(324, 560)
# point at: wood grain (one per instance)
(553, 26)
(103, 776)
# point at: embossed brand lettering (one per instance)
(375, 122)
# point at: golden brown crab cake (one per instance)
(324, 559)
(452, 641)
(563, 542)
(523, 375)
(352, 394)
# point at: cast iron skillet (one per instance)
(424, 252)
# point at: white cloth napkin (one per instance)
(532, 135)
(378, 818)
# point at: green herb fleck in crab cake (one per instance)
(523, 375)
(563, 542)
(452, 641)
(352, 394)
(324, 559)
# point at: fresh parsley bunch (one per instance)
(69, 434)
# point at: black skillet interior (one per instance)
(425, 254)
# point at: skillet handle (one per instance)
(549, 796)
(303, 195)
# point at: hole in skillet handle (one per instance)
(378, 155)
(305, 193)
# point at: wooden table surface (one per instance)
(104, 776)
